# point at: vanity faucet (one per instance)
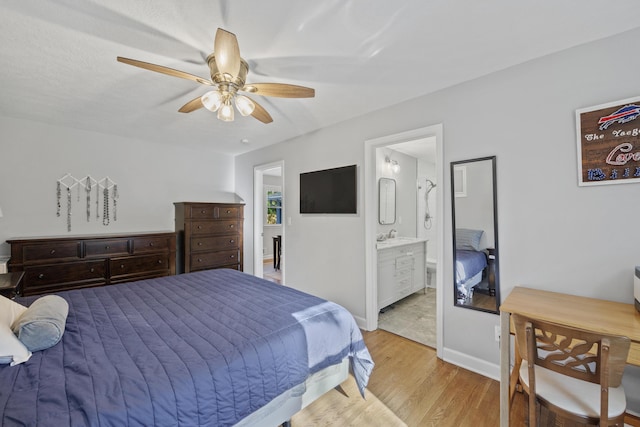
(392, 233)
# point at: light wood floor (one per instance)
(411, 386)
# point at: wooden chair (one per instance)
(574, 373)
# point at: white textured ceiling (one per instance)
(59, 57)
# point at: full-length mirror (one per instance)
(387, 201)
(475, 234)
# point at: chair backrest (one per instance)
(571, 351)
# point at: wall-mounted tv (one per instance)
(329, 191)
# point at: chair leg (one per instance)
(533, 411)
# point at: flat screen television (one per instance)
(329, 191)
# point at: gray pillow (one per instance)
(41, 326)
(468, 239)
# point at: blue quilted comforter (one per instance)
(204, 348)
(468, 264)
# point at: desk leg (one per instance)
(505, 361)
(515, 374)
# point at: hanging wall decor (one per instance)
(105, 189)
(609, 143)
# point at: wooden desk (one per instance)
(586, 313)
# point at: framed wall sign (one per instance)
(609, 143)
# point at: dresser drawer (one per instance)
(138, 264)
(200, 212)
(214, 227)
(212, 212)
(214, 243)
(228, 212)
(203, 261)
(94, 248)
(43, 252)
(404, 262)
(151, 244)
(42, 277)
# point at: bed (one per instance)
(212, 348)
(471, 261)
(470, 266)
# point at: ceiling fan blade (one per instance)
(260, 113)
(192, 105)
(164, 70)
(227, 54)
(279, 90)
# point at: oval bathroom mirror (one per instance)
(387, 201)
(475, 234)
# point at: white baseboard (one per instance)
(361, 322)
(473, 364)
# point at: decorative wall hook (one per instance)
(106, 186)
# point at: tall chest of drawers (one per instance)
(209, 236)
(60, 263)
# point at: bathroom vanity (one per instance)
(401, 268)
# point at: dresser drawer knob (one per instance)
(232, 256)
(53, 251)
(40, 276)
(231, 241)
(159, 261)
(121, 265)
(228, 210)
(199, 227)
(203, 211)
(231, 225)
(199, 259)
(107, 247)
(151, 244)
(92, 270)
(199, 243)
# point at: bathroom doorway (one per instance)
(269, 262)
(421, 152)
(411, 166)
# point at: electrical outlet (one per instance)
(497, 333)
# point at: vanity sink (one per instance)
(398, 241)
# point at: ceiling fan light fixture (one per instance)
(228, 73)
(212, 100)
(225, 113)
(244, 105)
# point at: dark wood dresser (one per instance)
(209, 236)
(54, 264)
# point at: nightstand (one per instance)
(491, 270)
(10, 284)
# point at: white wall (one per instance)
(553, 234)
(150, 177)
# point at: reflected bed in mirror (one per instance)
(475, 234)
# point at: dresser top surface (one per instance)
(91, 236)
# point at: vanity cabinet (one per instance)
(401, 272)
(209, 236)
(55, 264)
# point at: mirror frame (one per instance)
(496, 260)
(380, 200)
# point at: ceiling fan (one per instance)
(228, 77)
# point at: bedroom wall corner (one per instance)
(150, 177)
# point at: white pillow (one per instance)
(11, 349)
